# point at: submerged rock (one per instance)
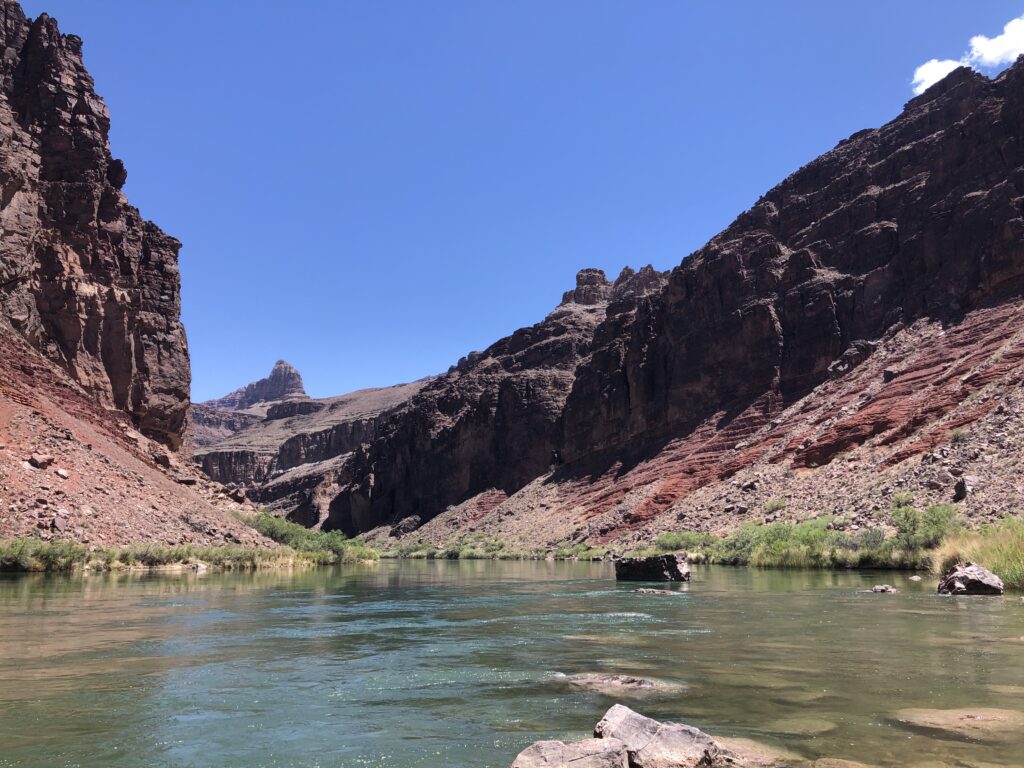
(982, 724)
(802, 726)
(589, 753)
(884, 589)
(617, 685)
(654, 568)
(970, 579)
(754, 754)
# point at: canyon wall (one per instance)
(83, 278)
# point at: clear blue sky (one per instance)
(372, 189)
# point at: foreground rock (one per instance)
(651, 744)
(656, 568)
(589, 753)
(970, 579)
(626, 738)
(982, 724)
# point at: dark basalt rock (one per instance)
(655, 568)
(970, 579)
(83, 277)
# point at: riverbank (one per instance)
(933, 540)
(289, 546)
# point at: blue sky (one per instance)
(372, 189)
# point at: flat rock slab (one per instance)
(655, 568)
(589, 753)
(982, 724)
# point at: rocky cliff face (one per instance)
(288, 457)
(494, 422)
(94, 368)
(83, 278)
(283, 383)
(819, 325)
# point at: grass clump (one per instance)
(998, 547)
(38, 555)
(774, 505)
(63, 556)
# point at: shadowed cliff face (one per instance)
(493, 421)
(83, 278)
(649, 397)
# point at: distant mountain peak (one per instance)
(283, 383)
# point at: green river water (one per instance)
(431, 663)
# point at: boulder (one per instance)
(589, 753)
(884, 588)
(970, 579)
(655, 568)
(651, 744)
(40, 460)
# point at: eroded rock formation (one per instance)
(283, 383)
(83, 278)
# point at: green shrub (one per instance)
(902, 499)
(321, 546)
(774, 505)
(924, 530)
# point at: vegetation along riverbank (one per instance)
(294, 546)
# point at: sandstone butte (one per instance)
(825, 349)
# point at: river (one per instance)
(461, 663)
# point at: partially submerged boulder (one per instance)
(671, 567)
(970, 579)
(651, 744)
(589, 753)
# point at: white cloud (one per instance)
(929, 73)
(998, 50)
(984, 53)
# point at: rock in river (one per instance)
(970, 579)
(655, 568)
(619, 685)
(651, 744)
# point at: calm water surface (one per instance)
(459, 663)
